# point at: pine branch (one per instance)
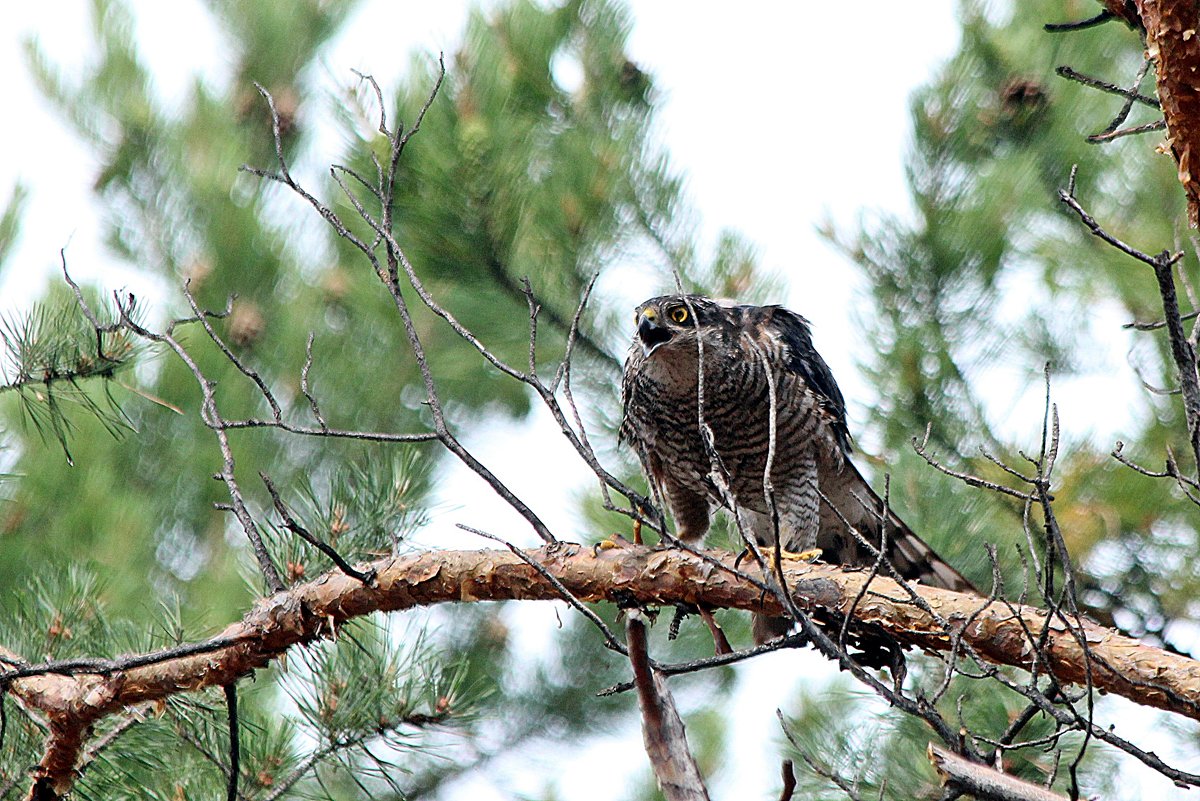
(73, 700)
(982, 782)
(55, 360)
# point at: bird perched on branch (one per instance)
(713, 392)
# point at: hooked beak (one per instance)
(650, 333)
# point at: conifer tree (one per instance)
(313, 370)
(512, 178)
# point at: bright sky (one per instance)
(775, 128)
(779, 120)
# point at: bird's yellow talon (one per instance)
(808, 555)
(613, 541)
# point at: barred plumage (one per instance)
(752, 355)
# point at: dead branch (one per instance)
(72, 697)
(788, 772)
(235, 750)
(662, 729)
(983, 782)
(1113, 9)
(1183, 352)
(1132, 95)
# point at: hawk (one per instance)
(733, 375)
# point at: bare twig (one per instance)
(1182, 350)
(1105, 86)
(389, 272)
(1065, 27)
(1130, 98)
(305, 386)
(1156, 125)
(970, 480)
(720, 660)
(788, 774)
(211, 417)
(816, 767)
(294, 526)
(1067, 196)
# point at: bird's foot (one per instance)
(807, 555)
(737, 560)
(612, 541)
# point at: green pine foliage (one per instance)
(994, 272)
(63, 370)
(513, 175)
(10, 221)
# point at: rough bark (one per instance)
(1172, 40)
(662, 729)
(987, 784)
(71, 700)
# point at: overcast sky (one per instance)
(763, 112)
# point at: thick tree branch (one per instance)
(980, 781)
(72, 700)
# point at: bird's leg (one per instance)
(797, 506)
(617, 541)
(691, 510)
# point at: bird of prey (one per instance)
(712, 392)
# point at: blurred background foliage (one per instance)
(516, 174)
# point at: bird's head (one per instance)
(670, 321)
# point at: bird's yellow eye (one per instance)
(679, 314)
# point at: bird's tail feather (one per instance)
(859, 505)
(852, 501)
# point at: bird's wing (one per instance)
(626, 432)
(843, 485)
(800, 357)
